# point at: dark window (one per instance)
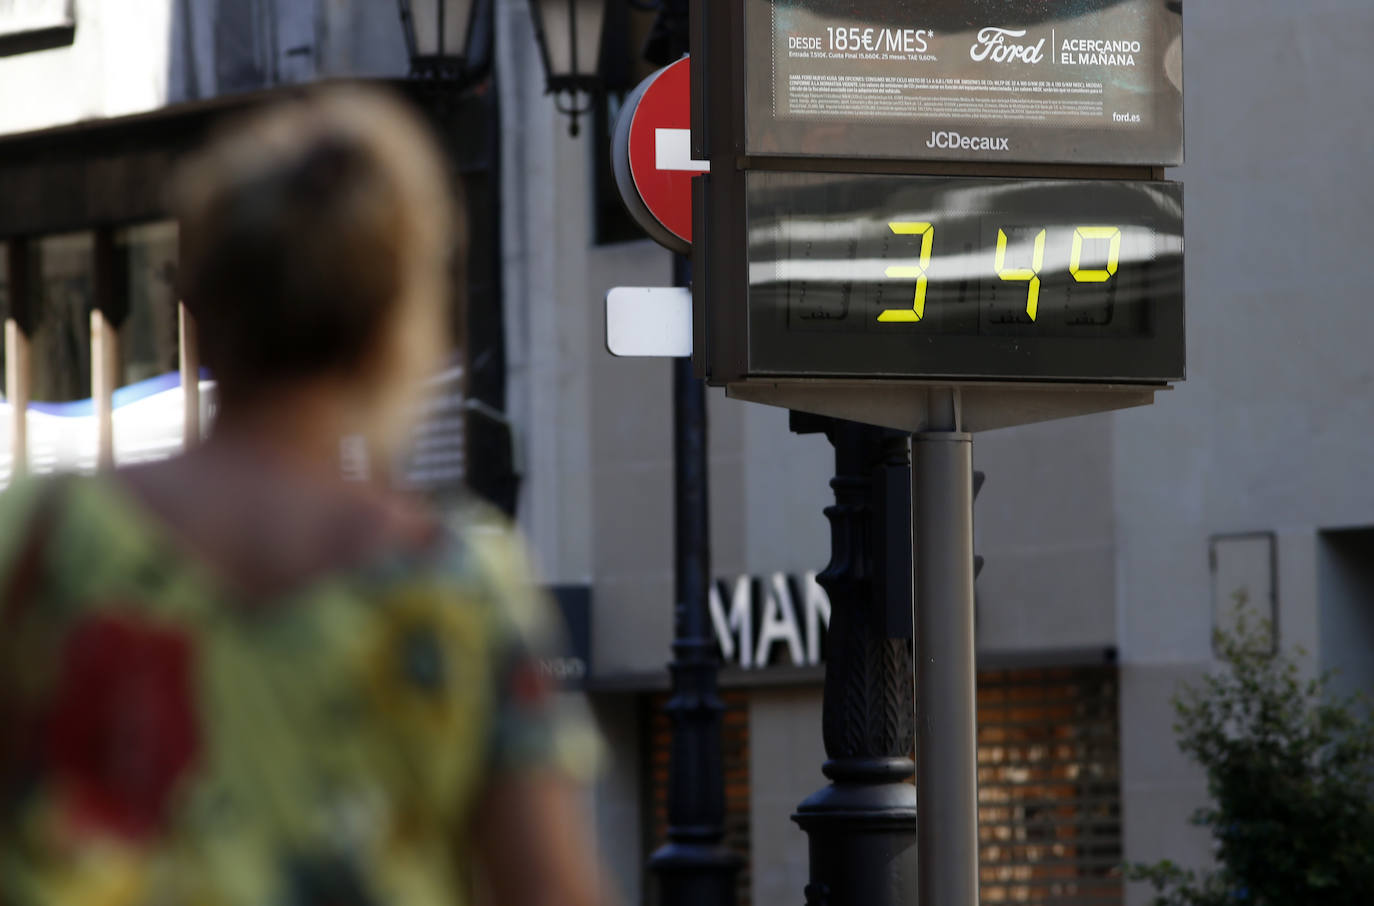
(146, 261)
(736, 745)
(1049, 787)
(63, 288)
(623, 67)
(6, 312)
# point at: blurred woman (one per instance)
(235, 678)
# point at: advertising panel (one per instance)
(1071, 81)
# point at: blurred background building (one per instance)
(1114, 544)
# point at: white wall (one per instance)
(134, 56)
(1272, 429)
(1044, 526)
(785, 757)
(545, 223)
(117, 64)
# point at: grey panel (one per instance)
(785, 756)
(1244, 587)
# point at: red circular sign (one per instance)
(660, 142)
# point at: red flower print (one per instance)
(122, 729)
(528, 686)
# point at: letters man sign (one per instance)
(770, 621)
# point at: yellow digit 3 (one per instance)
(917, 311)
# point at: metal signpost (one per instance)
(654, 170)
(941, 218)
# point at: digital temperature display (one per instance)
(902, 276)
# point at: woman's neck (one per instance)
(299, 427)
(264, 501)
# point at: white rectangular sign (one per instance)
(649, 321)
(19, 17)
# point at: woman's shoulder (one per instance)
(477, 546)
(18, 503)
(20, 498)
(478, 556)
(30, 507)
(79, 535)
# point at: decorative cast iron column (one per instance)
(694, 868)
(862, 827)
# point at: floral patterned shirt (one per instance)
(161, 743)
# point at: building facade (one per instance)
(97, 103)
(1114, 544)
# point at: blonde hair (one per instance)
(307, 230)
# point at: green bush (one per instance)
(1290, 775)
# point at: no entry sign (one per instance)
(651, 152)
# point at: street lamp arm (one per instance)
(572, 103)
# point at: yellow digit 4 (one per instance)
(1113, 235)
(917, 311)
(1031, 274)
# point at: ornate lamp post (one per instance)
(447, 39)
(569, 36)
(693, 866)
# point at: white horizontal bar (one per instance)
(673, 151)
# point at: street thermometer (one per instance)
(938, 217)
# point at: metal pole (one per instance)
(189, 365)
(18, 329)
(946, 728)
(693, 867)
